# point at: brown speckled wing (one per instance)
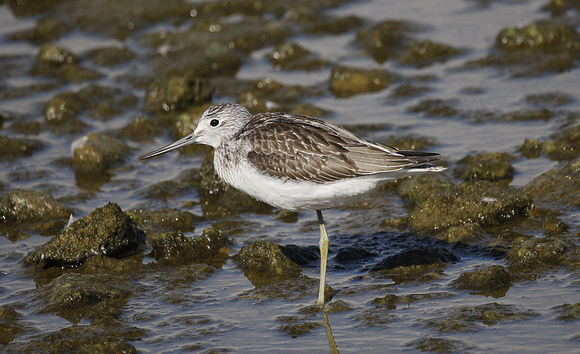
(301, 148)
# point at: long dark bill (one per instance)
(188, 140)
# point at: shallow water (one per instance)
(216, 314)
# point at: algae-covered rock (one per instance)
(416, 256)
(480, 201)
(14, 148)
(347, 81)
(543, 46)
(291, 56)
(541, 253)
(94, 155)
(469, 318)
(177, 93)
(439, 345)
(31, 206)
(265, 263)
(10, 326)
(419, 188)
(174, 248)
(111, 56)
(422, 53)
(56, 56)
(558, 188)
(61, 63)
(287, 288)
(218, 199)
(385, 40)
(569, 312)
(489, 167)
(434, 107)
(72, 295)
(485, 279)
(563, 145)
(471, 233)
(105, 231)
(164, 220)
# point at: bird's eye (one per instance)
(214, 122)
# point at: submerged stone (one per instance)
(105, 231)
(422, 53)
(480, 201)
(291, 56)
(484, 279)
(164, 220)
(569, 312)
(265, 263)
(470, 318)
(15, 148)
(72, 295)
(94, 155)
(347, 81)
(31, 206)
(175, 249)
(557, 188)
(542, 253)
(177, 93)
(416, 256)
(419, 188)
(544, 46)
(10, 326)
(471, 233)
(439, 345)
(486, 166)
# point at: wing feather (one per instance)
(301, 148)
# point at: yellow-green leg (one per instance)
(324, 242)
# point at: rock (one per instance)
(489, 278)
(489, 167)
(164, 220)
(347, 81)
(15, 148)
(94, 155)
(265, 263)
(72, 295)
(471, 233)
(538, 254)
(177, 93)
(469, 318)
(557, 188)
(480, 201)
(176, 249)
(105, 231)
(419, 188)
(416, 256)
(31, 206)
(291, 56)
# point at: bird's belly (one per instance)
(299, 195)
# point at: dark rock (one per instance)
(416, 256)
(557, 188)
(301, 255)
(105, 231)
(480, 201)
(347, 81)
(490, 278)
(175, 249)
(265, 263)
(489, 167)
(15, 148)
(31, 206)
(72, 295)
